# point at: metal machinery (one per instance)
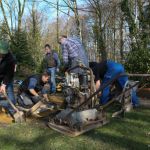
(77, 118)
(81, 112)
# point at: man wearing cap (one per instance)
(7, 66)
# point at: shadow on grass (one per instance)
(118, 134)
(138, 115)
(128, 133)
(119, 141)
(38, 143)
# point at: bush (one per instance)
(138, 61)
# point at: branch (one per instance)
(23, 7)
(52, 4)
(6, 21)
(68, 5)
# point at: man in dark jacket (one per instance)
(7, 66)
(51, 64)
(31, 89)
(106, 71)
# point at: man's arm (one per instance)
(65, 49)
(31, 86)
(33, 92)
(57, 60)
(98, 84)
(46, 97)
(44, 93)
(15, 62)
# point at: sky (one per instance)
(51, 5)
(48, 8)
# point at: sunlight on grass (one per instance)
(121, 134)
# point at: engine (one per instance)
(76, 89)
(79, 111)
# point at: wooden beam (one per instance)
(139, 75)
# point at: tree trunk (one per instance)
(121, 38)
(6, 21)
(77, 19)
(57, 24)
(67, 31)
(101, 44)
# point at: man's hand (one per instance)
(57, 69)
(46, 97)
(33, 92)
(3, 88)
(15, 69)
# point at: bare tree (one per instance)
(12, 7)
(72, 4)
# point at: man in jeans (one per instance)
(104, 72)
(7, 66)
(51, 63)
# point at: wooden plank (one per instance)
(58, 99)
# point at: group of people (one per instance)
(34, 86)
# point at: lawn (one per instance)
(130, 133)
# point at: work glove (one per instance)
(36, 98)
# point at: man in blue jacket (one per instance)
(106, 71)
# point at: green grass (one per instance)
(130, 133)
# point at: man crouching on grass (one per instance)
(31, 88)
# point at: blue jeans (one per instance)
(113, 69)
(134, 97)
(52, 81)
(11, 96)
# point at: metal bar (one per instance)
(100, 89)
(139, 75)
(78, 66)
(111, 101)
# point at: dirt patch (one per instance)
(5, 119)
